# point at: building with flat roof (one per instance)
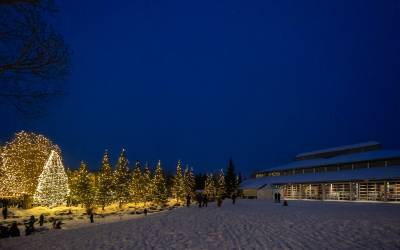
(359, 172)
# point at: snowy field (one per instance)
(250, 224)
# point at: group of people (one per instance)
(202, 200)
(14, 231)
(277, 198)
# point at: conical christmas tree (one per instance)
(136, 186)
(52, 186)
(178, 188)
(158, 186)
(146, 184)
(209, 187)
(105, 192)
(121, 178)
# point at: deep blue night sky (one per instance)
(205, 80)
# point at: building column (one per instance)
(351, 191)
(385, 189)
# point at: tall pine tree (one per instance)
(220, 185)
(209, 187)
(189, 181)
(136, 185)
(147, 184)
(230, 179)
(85, 187)
(178, 188)
(105, 182)
(159, 189)
(121, 180)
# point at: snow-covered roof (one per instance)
(380, 173)
(341, 148)
(340, 159)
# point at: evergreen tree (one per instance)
(52, 187)
(159, 189)
(105, 182)
(209, 187)
(178, 188)
(230, 179)
(85, 190)
(147, 184)
(121, 180)
(73, 198)
(189, 181)
(220, 185)
(136, 185)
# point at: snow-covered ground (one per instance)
(250, 224)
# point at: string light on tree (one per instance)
(23, 159)
(52, 186)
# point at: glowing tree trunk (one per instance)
(52, 187)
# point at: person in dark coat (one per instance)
(4, 233)
(145, 212)
(41, 220)
(205, 200)
(32, 222)
(91, 217)
(188, 200)
(219, 201)
(14, 231)
(199, 199)
(276, 197)
(279, 197)
(58, 224)
(5, 212)
(233, 199)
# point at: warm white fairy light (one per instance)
(22, 162)
(52, 186)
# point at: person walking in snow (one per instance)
(32, 222)
(233, 198)
(279, 197)
(205, 200)
(145, 212)
(188, 200)
(275, 197)
(91, 217)
(14, 231)
(41, 220)
(199, 199)
(219, 201)
(5, 212)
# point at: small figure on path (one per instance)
(41, 220)
(32, 222)
(199, 199)
(14, 231)
(205, 200)
(219, 201)
(58, 225)
(54, 224)
(275, 197)
(91, 217)
(145, 212)
(188, 200)
(5, 212)
(4, 232)
(279, 197)
(233, 198)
